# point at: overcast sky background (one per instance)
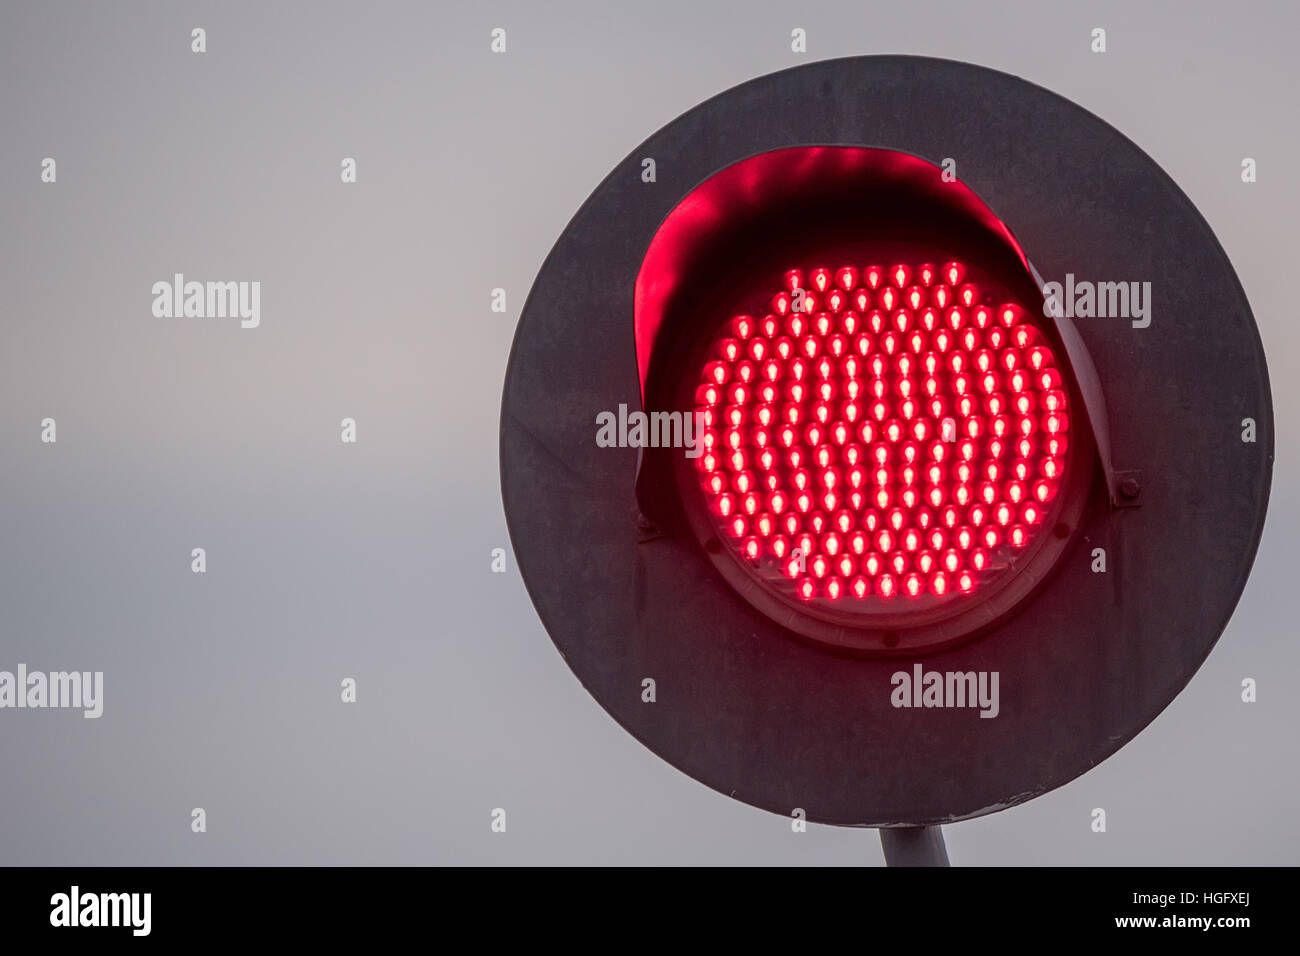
(371, 561)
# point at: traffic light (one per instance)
(892, 453)
(885, 456)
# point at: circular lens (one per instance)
(881, 441)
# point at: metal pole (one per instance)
(913, 846)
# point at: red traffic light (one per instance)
(1096, 586)
(893, 456)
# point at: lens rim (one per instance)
(898, 631)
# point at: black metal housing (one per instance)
(1090, 660)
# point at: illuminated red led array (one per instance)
(881, 433)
